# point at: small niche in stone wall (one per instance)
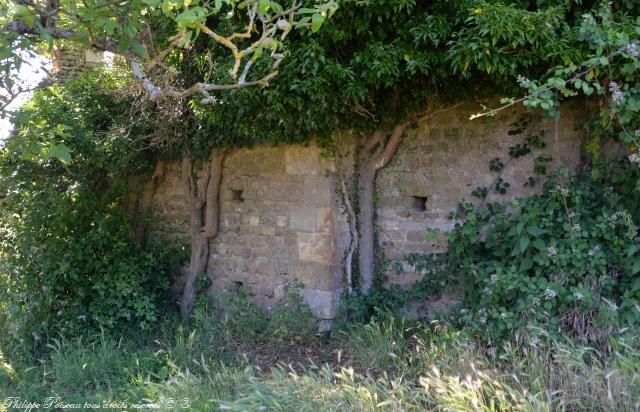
(419, 203)
(238, 285)
(236, 196)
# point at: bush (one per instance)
(566, 259)
(69, 263)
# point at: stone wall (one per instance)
(68, 62)
(441, 162)
(279, 221)
(280, 216)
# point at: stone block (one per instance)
(303, 218)
(313, 247)
(318, 190)
(267, 230)
(317, 275)
(254, 220)
(301, 160)
(281, 221)
(323, 304)
(323, 219)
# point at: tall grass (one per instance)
(388, 364)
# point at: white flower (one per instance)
(578, 295)
(487, 291)
(35, 336)
(535, 301)
(503, 315)
(494, 278)
(594, 250)
(634, 157)
(550, 293)
(483, 320)
(523, 81)
(575, 228)
(491, 352)
(82, 317)
(551, 251)
(534, 341)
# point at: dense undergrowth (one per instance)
(387, 364)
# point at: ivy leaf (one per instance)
(524, 244)
(636, 267)
(633, 249)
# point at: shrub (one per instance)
(567, 259)
(69, 263)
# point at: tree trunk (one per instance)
(148, 193)
(374, 154)
(366, 255)
(203, 221)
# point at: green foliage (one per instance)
(386, 365)
(566, 259)
(288, 322)
(69, 263)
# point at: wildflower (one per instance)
(59, 313)
(469, 346)
(487, 291)
(594, 250)
(613, 217)
(550, 293)
(575, 228)
(503, 315)
(463, 311)
(491, 352)
(483, 320)
(564, 191)
(634, 157)
(577, 295)
(523, 81)
(535, 301)
(616, 94)
(35, 336)
(632, 49)
(572, 215)
(534, 341)
(494, 278)
(551, 251)
(82, 317)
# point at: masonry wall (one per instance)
(281, 219)
(442, 161)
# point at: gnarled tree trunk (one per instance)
(374, 154)
(203, 221)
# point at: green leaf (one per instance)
(525, 265)
(633, 249)
(539, 244)
(263, 6)
(636, 267)
(316, 22)
(60, 152)
(524, 244)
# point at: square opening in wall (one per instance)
(238, 285)
(236, 196)
(420, 203)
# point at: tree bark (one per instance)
(148, 193)
(374, 154)
(203, 220)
